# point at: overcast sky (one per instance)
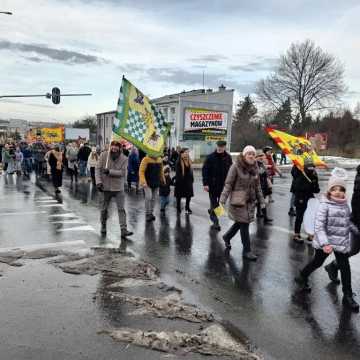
(162, 46)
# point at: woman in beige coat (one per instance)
(242, 186)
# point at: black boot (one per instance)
(227, 243)
(332, 271)
(349, 302)
(267, 220)
(303, 283)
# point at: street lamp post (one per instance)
(6, 12)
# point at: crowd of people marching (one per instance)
(243, 185)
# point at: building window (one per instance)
(172, 110)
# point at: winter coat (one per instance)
(270, 165)
(295, 173)
(355, 201)
(92, 160)
(39, 151)
(264, 180)
(84, 153)
(165, 189)
(215, 170)
(333, 225)
(72, 156)
(115, 180)
(184, 182)
(133, 168)
(151, 172)
(243, 177)
(305, 189)
(19, 158)
(56, 173)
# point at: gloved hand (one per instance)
(106, 172)
(100, 187)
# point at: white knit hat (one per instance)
(338, 178)
(247, 149)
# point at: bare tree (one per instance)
(311, 78)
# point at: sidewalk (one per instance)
(61, 299)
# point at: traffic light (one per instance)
(55, 95)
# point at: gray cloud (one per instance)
(184, 77)
(208, 58)
(61, 55)
(264, 64)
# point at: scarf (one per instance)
(337, 200)
(58, 157)
(185, 163)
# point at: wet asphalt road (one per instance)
(260, 298)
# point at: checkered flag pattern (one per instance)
(135, 126)
(159, 120)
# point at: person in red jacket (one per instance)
(271, 167)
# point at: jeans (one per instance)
(214, 203)
(120, 203)
(82, 167)
(164, 201)
(244, 232)
(150, 196)
(342, 261)
(301, 205)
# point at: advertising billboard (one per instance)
(77, 134)
(205, 124)
(48, 135)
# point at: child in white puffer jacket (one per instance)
(332, 234)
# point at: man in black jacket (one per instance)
(214, 172)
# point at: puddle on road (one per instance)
(123, 273)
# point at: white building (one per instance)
(198, 119)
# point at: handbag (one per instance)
(238, 198)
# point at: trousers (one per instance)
(120, 203)
(214, 203)
(342, 261)
(244, 232)
(150, 196)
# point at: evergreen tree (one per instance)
(246, 109)
(283, 117)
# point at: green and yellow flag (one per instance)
(139, 122)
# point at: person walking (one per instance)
(295, 172)
(332, 235)
(214, 172)
(72, 157)
(27, 164)
(151, 175)
(184, 179)
(5, 157)
(242, 186)
(39, 150)
(306, 184)
(110, 173)
(133, 169)
(55, 160)
(271, 167)
(91, 164)
(266, 186)
(165, 190)
(333, 268)
(83, 156)
(18, 161)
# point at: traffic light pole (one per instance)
(48, 95)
